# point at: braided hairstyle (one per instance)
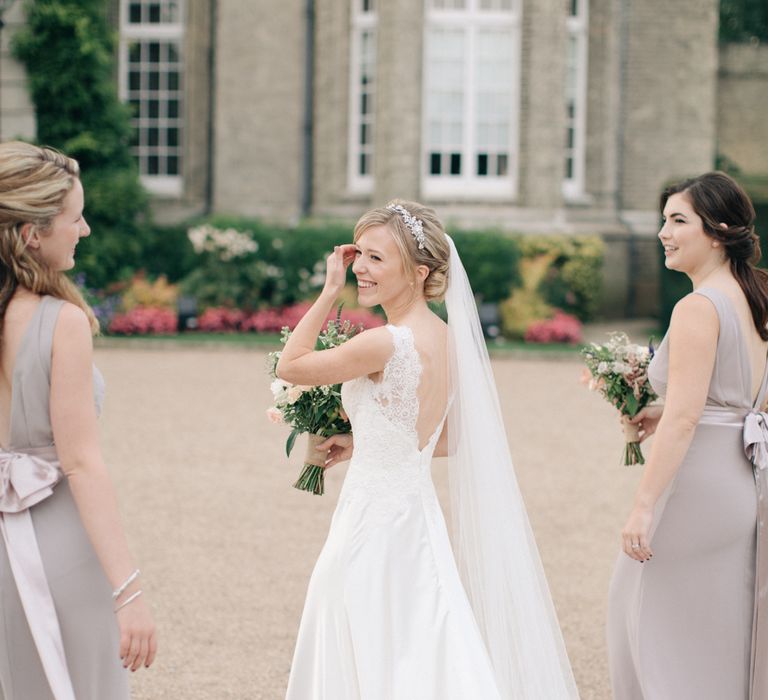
(33, 185)
(718, 199)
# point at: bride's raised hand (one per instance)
(336, 268)
(647, 420)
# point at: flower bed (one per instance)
(143, 320)
(561, 328)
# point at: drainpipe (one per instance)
(631, 303)
(309, 94)
(211, 149)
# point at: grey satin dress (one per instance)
(78, 587)
(687, 624)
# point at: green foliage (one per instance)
(491, 260)
(743, 21)
(68, 50)
(286, 266)
(573, 280)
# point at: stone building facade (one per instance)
(527, 115)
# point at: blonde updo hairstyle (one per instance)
(33, 185)
(435, 254)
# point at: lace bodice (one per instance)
(387, 464)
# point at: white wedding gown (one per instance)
(386, 616)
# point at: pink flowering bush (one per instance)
(219, 319)
(144, 320)
(561, 328)
(274, 320)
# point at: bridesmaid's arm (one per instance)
(693, 336)
(75, 431)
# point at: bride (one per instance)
(390, 614)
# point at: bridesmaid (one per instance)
(72, 617)
(687, 603)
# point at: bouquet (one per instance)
(315, 410)
(619, 371)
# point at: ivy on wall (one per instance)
(67, 47)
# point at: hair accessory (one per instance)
(119, 591)
(129, 599)
(411, 222)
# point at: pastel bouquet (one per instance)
(315, 410)
(619, 371)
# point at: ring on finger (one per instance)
(635, 545)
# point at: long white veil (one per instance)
(495, 550)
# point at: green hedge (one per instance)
(287, 264)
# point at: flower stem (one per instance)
(312, 479)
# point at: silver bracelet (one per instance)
(119, 591)
(129, 599)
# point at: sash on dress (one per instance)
(26, 478)
(756, 449)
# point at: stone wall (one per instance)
(742, 106)
(259, 108)
(669, 95)
(17, 113)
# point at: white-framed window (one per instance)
(151, 82)
(362, 96)
(576, 98)
(471, 98)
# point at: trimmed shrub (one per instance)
(144, 321)
(561, 328)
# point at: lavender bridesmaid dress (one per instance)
(89, 668)
(691, 623)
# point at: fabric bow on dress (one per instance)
(26, 478)
(756, 448)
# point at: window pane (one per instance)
(434, 164)
(153, 94)
(455, 163)
(134, 12)
(363, 67)
(482, 163)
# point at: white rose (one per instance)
(278, 388)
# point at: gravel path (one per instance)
(227, 546)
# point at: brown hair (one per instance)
(33, 185)
(718, 199)
(435, 254)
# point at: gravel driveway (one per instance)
(226, 546)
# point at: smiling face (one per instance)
(687, 248)
(55, 246)
(378, 266)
